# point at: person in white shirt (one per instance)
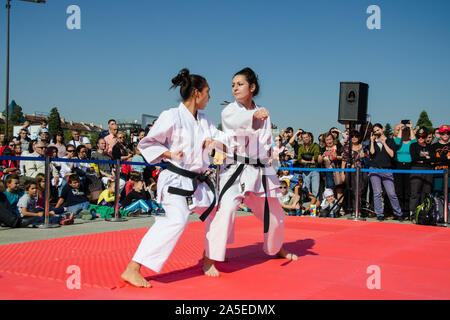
(183, 137)
(248, 178)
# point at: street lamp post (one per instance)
(8, 7)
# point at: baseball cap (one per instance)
(444, 128)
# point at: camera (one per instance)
(377, 134)
(405, 122)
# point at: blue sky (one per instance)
(120, 63)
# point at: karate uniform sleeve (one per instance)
(157, 140)
(237, 119)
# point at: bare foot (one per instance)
(224, 260)
(287, 255)
(133, 276)
(209, 269)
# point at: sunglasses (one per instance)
(41, 147)
(283, 187)
(70, 150)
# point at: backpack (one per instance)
(426, 212)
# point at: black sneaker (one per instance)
(380, 218)
(399, 218)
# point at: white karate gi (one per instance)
(252, 139)
(175, 130)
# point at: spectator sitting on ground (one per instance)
(329, 206)
(151, 189)
(32, 214)
(304, 197)
(138, 199)
(134, 176)
(107, 197)
(288, 201)
(40, 204)
(9, 216)
(73, 197)
(13, 192)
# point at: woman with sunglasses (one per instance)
(9, 166)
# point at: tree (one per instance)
(219, 127)
(388, 130)
(54, 122)
(424, 121)
(16, 116)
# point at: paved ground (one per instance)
(81, 227)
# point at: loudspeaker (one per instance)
(353, 102)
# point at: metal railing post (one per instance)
(445, 190)
(46, 224)
(117, 195)
(357, 195)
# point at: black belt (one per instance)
(256, 163)
(194, 176)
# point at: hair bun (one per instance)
(181, 79)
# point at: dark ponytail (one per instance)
(251, 77)
(188, 83)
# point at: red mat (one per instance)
(413, 263)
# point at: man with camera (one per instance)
(382, 154)
(440, 155)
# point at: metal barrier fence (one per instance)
(118, 163)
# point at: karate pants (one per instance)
(219, 228)
(159, 242)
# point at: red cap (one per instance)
(444, 129)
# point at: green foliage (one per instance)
(54, 122)
(16, 116)
(424, 121)
(388, 130)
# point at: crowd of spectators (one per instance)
(77, 189)
(383, 195)
(82, 190)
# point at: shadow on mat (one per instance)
(240, 258)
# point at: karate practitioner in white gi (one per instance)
(250, 131)
(183, 137)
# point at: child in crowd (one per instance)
(29, 211)
(40, 184)
(137, 199)
(304, 196)
(151, 189)
(288, 200)
(13, 193)
(329, 206)
(134, 176)
(73, 197)
(107, 197)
